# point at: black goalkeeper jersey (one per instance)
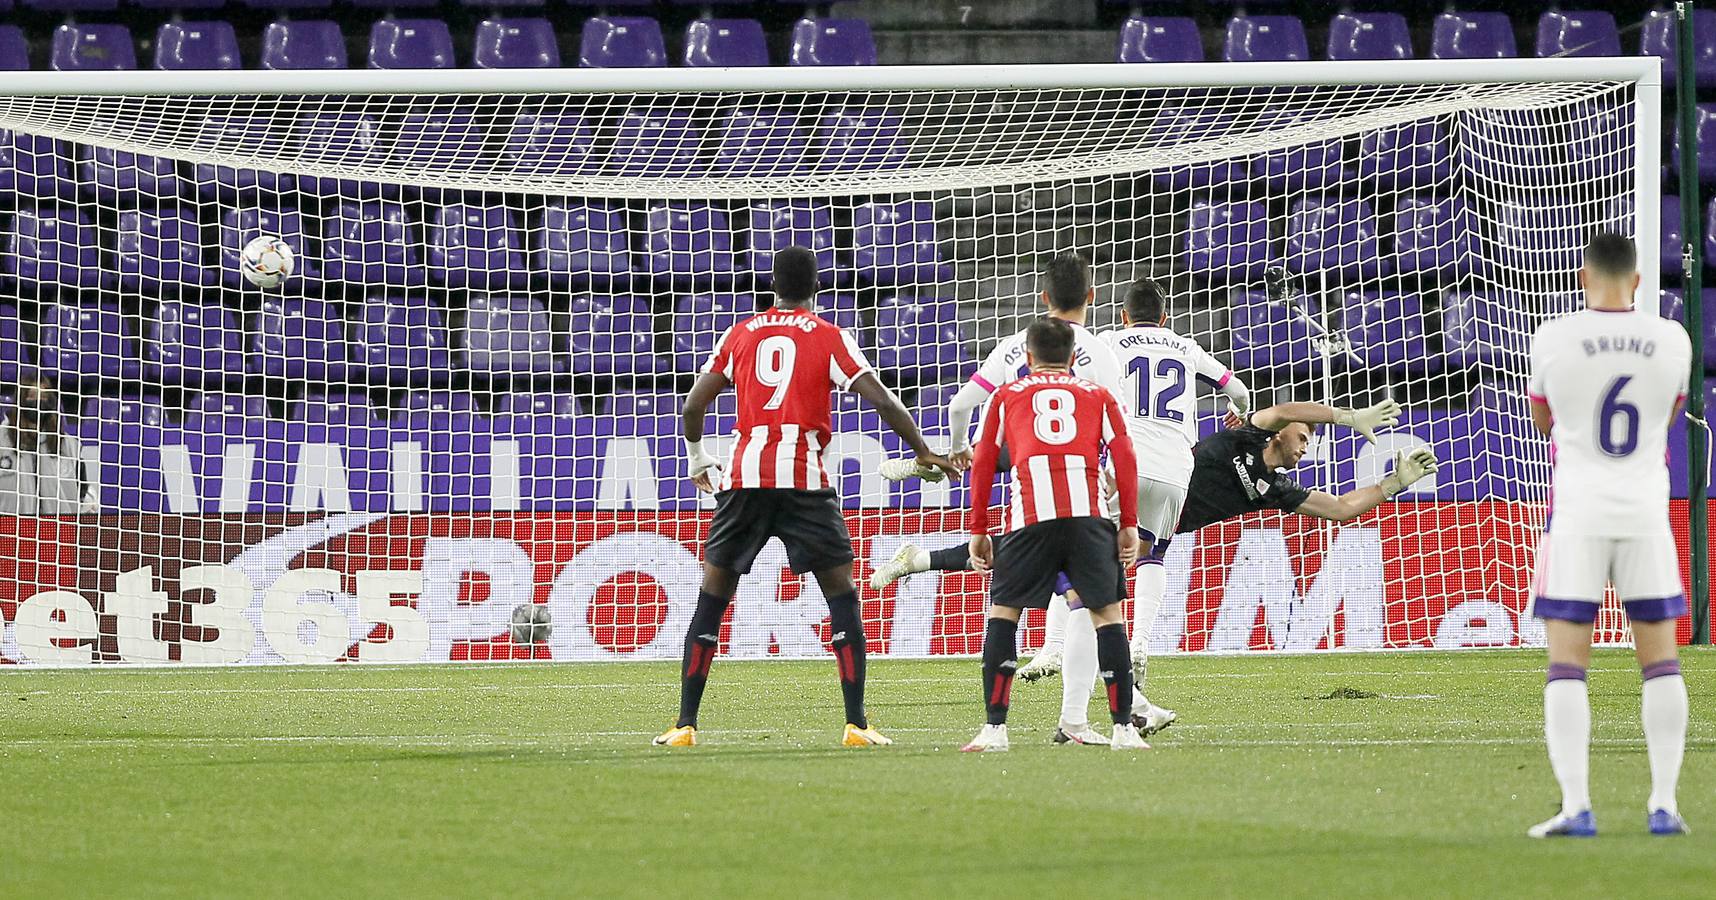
(1230, 478)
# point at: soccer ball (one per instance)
(266, 261)
(531, 623)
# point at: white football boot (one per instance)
(904, 468)
(990, 739)
(1045, 664)
(1079, 735)
(909, 560)
(1126, 737)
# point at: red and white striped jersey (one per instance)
(1055, 426)
(783, 364)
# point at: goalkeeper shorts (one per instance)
(1574, 571)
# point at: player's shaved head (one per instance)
(1146, 301)
(1066, 282)
(1611, 255)
(1050, 342)
(795, 275)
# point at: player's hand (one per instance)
(704, 471)
(946, 468)
(1128, 545)
(960, 458)
(1409, 466)
(982, 553)
(1235, 416)
(1366, 421)
(1109, 486)
(89, 507)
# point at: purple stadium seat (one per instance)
(896, 243)
(930, 405)
(1267, 336)
(92, 48)
(779, 224)
(196, 45)
(476, 246)
(921, 342)
(192, 343)
(14, 49)
(70, 5)
(689, 244)
(1377, 35)
(122, 177)
(146, 411)
(298, 339)
(1425, 236)
(54, 246)
(401, 341)
(700, 320)
(859, 140)
(530, 405)
(1160, 39)
(726, 43)
(1474, 331)
(1174, 124)
(351, 408)
(287, 4)
(159, 247)
(370, 243)
(1228, 239)
(86, 342)
(549, 144)
(33, 165)
(13, 352)
(1386, 329)
(1506, 148)
(1413, 154)
(613, 336)
(1333, 236)
(410, 44)
(226, 183)
(1472, 35)
(1577, 33)
(833, 42)
(840, 309)
(1672, 235)
(218, 413)
(642, 415)
(1265, 38)
(515, 44)
(1709, 233)
(348, 138)
(509, 336)
(654, 141)
(1301, 165)
(439, 136)
(312, 44)
(619, 42)
(1661, 37)
(239, 226)
(1532, 237)
(582, 243)
(759, 143)
(413, 4)
(1705, 129)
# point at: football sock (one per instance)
(1567, 729)
(1078, 669)
(1116, 662)
(701, 639)
(951, 559)
(1664, 715)
(1000, 660)
(1055, 626)
(848, 645)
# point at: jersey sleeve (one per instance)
(1105, 366)
(983, 462)
(847, 362)
(1284, 494)
(1535, 385)
(994, 371)
(722, 359)
(1208, 367)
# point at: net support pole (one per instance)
(1697, 439)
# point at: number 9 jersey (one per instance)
(783, 364)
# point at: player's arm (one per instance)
(1541, 418)
(1224, 381)
(893, 412)
(1125, 460)
(709, 385)
(1365, 421)
(983, 459)
(1409, 467)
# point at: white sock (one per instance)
(1078, 668)
(1664, 715)
(1567, 729)
(1147, 594)
(1055, 628)
(920, 560)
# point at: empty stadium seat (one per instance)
(1660, 36)
(618, 42)
(92, 48)
(896, 243)
(410, 44)
(1301, 165)
(1386, 330)
(700, 320)
(128, 410)
(641, 415)
(33, 165)
(1228, 239)
(350, 138)
(1710, 234)
(1577, 33)
(859, 140)
(832, 42)
(509, 335)
(688, 245)
(54, 246)
(14, 49)
(70, 5)
(1268, 336)
(298, 339)
(842, 310)
(760, 143)
(476, 246)
(170, 4)
(218, 413)
(312, 44)
(226, 183)
(408, 4)
(1473, 330)
(157, 247)
(86, 342)
(1265, 38)
(370, 242)
(1704, 119)
(726, 43)
(1413, 154)
(613, 336)
(1333, 236)
(537, 405)
(778, 224)
(122, 177)
(196, 45)
(1375, 35)
(549, 144)
(1671, 304)
(241, 225)
(515, 44)
(1672, 236)
(654, 141)
(345, 408)
(1472, 35)
(193, 343)
(1533, 237)
(1425, 235)
(1173, 124)
(439, 137)
(582, 243)
(919, 341)
(1160, 39)
(401, 341)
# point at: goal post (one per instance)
(461, 407)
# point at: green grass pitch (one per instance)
(1344, 775)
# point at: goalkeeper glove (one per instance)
(1366, 421)
(1409, 466)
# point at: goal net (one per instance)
(460, 409)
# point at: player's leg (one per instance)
(1647, 578)
(1078, 678)
(1000, 662)
(1150, 585)
(1088, 557)
(1048, 659)
(1026, 563)
(1571, 579)
(911, 559)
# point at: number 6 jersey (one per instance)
(1611, 380)
(783, 363)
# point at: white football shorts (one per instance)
(1159, 505)
(1574, 570)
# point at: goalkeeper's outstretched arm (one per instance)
(1365, 421)
(1409, 467)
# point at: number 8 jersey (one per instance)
(1611, 380)
(783, 364)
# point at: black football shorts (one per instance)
(809, 523)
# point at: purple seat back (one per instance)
(476, 246)
(859, 140)
(196, 45)
(1425, 236)
(54, 246)
(125, 411)
(287, 4)
(370, 243)
(1704, 118)
(642, 415)
(1413, 154)
(239, 226)
(515, 44)
(1532, 237)
(1710, 231)
(1577, 33)
(654, 141)
(1301, 165)
(351, 408)
(1386, 329)
(1672, 236)
(226, 184)
(582, 242)
(619, 42)
(726, 43)
(1473, 330)
(1160, 39)
(312, 44)
(85, 341)
(348, 138)
(410, 44)
(33, 165)
(759, 143)
(920, 341)
(298, 339)
(779, 224)
(614, 336)
(1267, 336)
(1378, 35)
(70, 5)
(689, 244)
(439, 136)
(549, 144)
(1334, 236)
(1265, 38)
(14, 49)
(896, 243)
(156, 247)
(1661, 37)
(92, 48)
(117, 174)
(700, 320)
(218, 413)
(190, 342)
(833, 42)
(1472, 35)
(1228, 239)
(402, 341)
(509, 335)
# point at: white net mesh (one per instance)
(463, 402)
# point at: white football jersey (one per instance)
(1092, 360)
(1611, 380)
(1159, 366)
